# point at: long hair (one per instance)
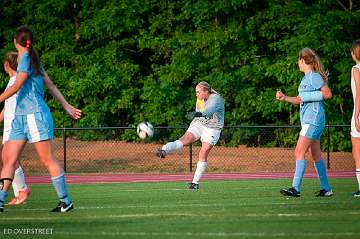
(356, 49)
(11, 58)
(206, 86)
(25, 38)
(311, 58)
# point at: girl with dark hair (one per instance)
(32, 121)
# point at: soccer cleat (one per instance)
(356, 194)
(194, 186)
(23, 196)
(161, 153)
(63, 207)
(1, 209)
(292, 192)
(324, 193)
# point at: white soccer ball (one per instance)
(145, 130)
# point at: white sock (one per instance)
(200, 170)
(18, 182)
(358, 176)
(172, 146)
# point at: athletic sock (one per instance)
(321, 171)
(61, 188)
(299, 174)
(172, 146)
(3, 196)
(358, 176)
(18, 182)
(200, 170)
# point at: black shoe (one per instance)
(63, 207)
(324, 193)
(1, 209)
(292, 192)
(356, 194)
(194, 186)
(161, 153)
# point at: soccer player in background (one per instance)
(313, 89)
(20, 188)
(355, 124)
(207, 123)
(32, 121)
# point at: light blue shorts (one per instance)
(32, 127)
(311, 131)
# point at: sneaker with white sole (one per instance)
(324, 193)
(356, 194)
(194, 186)
(63, 207)
(21, 198)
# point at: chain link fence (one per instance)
(246, 149)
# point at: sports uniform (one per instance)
(354, 132)
(312, 114)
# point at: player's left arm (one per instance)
(20, 80)
(356, 74)
(72, 111)
(2, 116)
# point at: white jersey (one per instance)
(354, 132)
(9, 111)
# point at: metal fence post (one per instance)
(190, 157)
(64, 147)
(328, 146)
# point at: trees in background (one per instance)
(131, 60)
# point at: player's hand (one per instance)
(280, 96)
(357, 124)
(73, 112)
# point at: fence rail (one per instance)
(240, 149)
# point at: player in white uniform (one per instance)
(355, 124)
(207, 123)
(20, 188)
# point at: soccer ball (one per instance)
(145, 130)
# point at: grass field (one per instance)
(220, 209)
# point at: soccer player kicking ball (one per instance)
(207, 123)
(313, 89)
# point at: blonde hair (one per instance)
(11, 58)
(356, 49)
(206, 86)
(311, 58)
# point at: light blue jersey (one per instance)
(30, 98)
(312, 112)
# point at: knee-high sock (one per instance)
(299, 173)
(321, 171)
(3, 196)
(61, 188)
(19, 183)
(200, 170)
(358, 176)
(172, 146)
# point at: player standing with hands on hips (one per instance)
(207, 123)
(313, 89)
(32, 121)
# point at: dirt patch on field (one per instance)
(125, 157)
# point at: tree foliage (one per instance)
(130, 60)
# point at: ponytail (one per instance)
(24, 37)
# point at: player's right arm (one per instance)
(72, 111)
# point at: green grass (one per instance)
(220, 209)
